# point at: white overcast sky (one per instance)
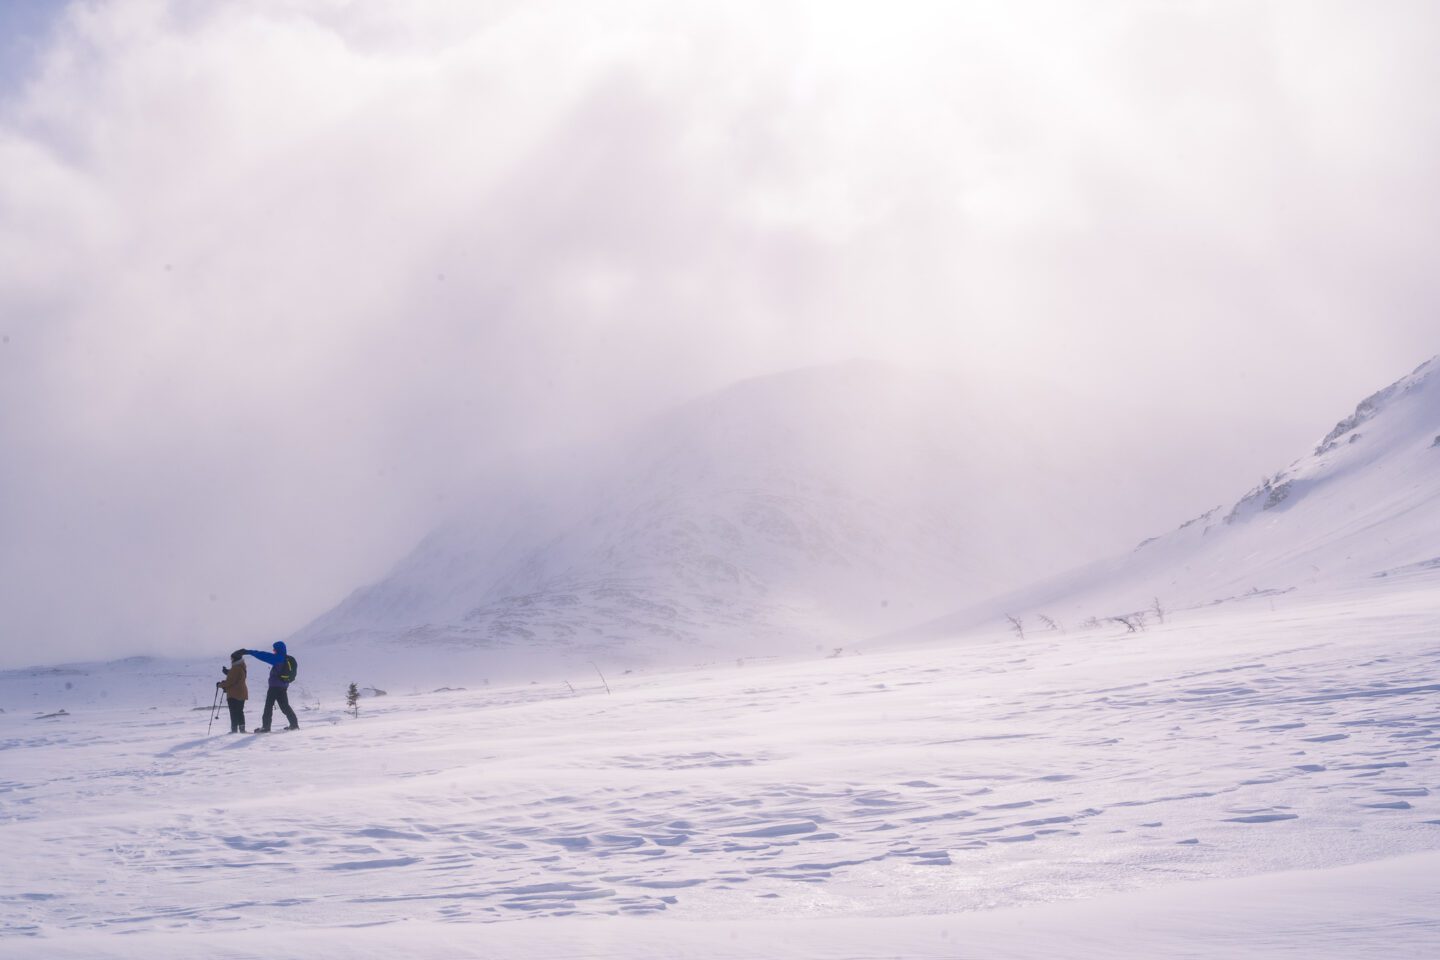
(280, 279)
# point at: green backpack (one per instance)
(287, 672)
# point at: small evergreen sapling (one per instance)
(352, 699)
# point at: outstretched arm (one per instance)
(270, 658)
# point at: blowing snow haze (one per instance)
(809, 508)
(286, 286)
(667, 402)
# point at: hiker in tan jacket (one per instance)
(236, 692)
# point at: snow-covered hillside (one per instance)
(1363, 504)
(805, 508)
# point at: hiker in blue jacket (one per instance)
(279, 691)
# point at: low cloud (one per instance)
(282, 283)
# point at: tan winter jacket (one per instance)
(234, 682)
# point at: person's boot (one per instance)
(293, 726)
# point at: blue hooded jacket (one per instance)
(276, 661)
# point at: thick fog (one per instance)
(284, 283)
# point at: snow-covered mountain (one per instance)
(812, 507)
(1364, 504)
(1238, 781)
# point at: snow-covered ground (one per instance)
(1251, 779)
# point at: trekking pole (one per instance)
(214, 709)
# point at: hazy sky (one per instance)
(279, 280)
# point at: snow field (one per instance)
(946, 780)
(1377, 911)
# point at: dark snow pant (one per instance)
(237, 714)
(281, 696)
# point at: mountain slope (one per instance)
(1364, 503)
(787, 511)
